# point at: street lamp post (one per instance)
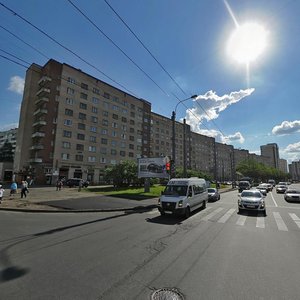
(173, 129)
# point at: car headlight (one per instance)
(180, 203)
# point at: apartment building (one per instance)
(271, 150)
(283, 165)
(294, 170)
(75, 125)
(225, 162)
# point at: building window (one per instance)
(82, 116)
(113, 161)
(113, 152)
(83, 105)
(130, 154)
(79, 157)
(124, 119)
(131, 138)
(115, 99)
(66, 145)
(94, 110)
(71, 80)
(104, 131)
(132, 114)
(79, 147)
(92, 148)
(95, 100)
(69, 101)
(116, 117)
(131, 146)
(105, 122)
(83, 96)
(93, 129)
(114, 133)
(91, 159)
(122, 153)
(81, 126)
(67, 133)
(103, 150)
(123, 136)
(68, 112)
(123, 145)
(96, 91)
(80, 136)
(115, 107)
(94, 119)
(67, 122)
(84, 86)
(124, 127)
(103, 160)
(106, 95)
(93, 139)
(114, 125)
(105, 113)
(114, 144)
(104, 141)
(132, 122)
(132, 106)
(65, 156)
(70, 91)
(131, 130)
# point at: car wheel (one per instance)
(219, 197)
(265, 213)
(187, 213)
(239, 211)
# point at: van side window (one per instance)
(190, 191)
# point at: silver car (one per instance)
(292, 195)
(252, 200)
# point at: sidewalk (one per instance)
(47, 199)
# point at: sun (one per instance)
(247, 42)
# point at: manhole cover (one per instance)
(167, 294)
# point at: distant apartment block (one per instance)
(294, 170)
(271, 150)
(9, 136)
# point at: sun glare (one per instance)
(247, 42)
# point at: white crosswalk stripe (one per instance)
(212, 214)
(241, 220)
(279, 221)
(260, 222)
(227, 215)
(295, 219)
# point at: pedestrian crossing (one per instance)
(281, 221)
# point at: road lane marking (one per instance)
(241, 220)
(260, 222)
(196, 214)
(280, 223)
(295, 219)
(212, 214)
(227, 215)
(273, 200)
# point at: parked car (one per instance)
(281, 188)
(263, 189)
(252, 200)
(75, 182)
(213, 194)
(292, 195)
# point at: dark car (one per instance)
(75, 182)
(213, 194)
(244, 185)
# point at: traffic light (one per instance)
(168, 166)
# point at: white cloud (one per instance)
(236, 137)
(293, 148)
(291, 152)
(16, 84)
(286, 127)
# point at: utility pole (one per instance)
(184, 148)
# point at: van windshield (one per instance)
(179, 190)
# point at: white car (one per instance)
(252, 200)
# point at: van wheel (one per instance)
(187, 213)
(204, 204)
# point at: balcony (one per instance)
(39, 123)
(40, 111)
(42, 100)
(37, 147)
(36, 160)
(38, 134)
(43, 91)
(44, 79)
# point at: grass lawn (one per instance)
(129, 193)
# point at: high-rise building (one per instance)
(75, 125)
(294, 170)
(271, 150)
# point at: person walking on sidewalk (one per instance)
(13, 189)
(1, 193)
(24, 189)
(59, 184)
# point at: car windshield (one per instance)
(175, 190)
(251, 194)
(211, 190)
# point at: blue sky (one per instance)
(189, 39)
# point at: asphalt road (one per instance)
(215, 254)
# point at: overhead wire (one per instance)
(64, 47)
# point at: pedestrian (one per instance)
(24, 189)
(1, 193)
(59, 185)
(13, 189)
